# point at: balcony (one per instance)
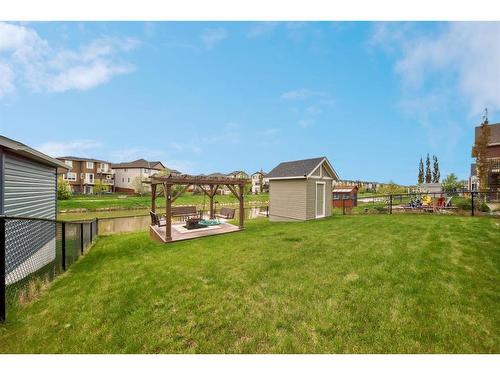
(108, 181)
(105, 171)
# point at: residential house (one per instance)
(84, 172)
(301, 190)
(259, 182)
(493, 155)
(128, 174)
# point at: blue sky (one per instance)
(219, 96)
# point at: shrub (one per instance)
(63, 189)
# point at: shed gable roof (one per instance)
(298, 168)
(30, 153)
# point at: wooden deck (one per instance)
(179, 233)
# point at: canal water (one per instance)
(142, 222)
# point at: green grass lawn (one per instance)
(353, 284)
(123, 201)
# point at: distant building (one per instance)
(430, 187)
(368, 185)
(345, 197)
(259, 183)
(127, 174)
(84, 172)
(493, 155)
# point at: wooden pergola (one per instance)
(209, 186)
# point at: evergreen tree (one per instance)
(428, 176)
(421, 172)
(436, 175)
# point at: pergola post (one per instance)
(242, 206)
(153, 197)
(168, 199)
(211, 196)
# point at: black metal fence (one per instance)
(34, 251)
(461, 202)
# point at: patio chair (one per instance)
(226, 213)
(157, 219)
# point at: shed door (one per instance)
(320, 199)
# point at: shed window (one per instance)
(346, 196)
(336, 196)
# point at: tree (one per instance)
(99, 187)
(436, 175)
(451, 183)
(428, 176)
(421, 172)
(391, 188)
(479, 151)
(63, 189)
(138, 185)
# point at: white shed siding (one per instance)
(29, 188)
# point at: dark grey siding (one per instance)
(29, 188)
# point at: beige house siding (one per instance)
(311, 197)
(287, 200)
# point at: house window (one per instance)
(90, 165)
(123, 179)
(70, 176)
(89, 177)
(146, 171)
(104, 167)
(128, 179)
(69, 163)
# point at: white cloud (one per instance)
(69, 148)
(32, 61)
(210, 37)
(306, 123)
(6, 80)
(302, 94)
(463, 54)
(262, 29)
(270, 131)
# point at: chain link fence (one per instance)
(462, 202)
(34, 251)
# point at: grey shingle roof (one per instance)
(140, 163)
(295, 168)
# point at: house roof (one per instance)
(139, 163)
(216, 174)
(298, 168)
(30, 153)
(494, 136)
(237, 172)
(77, 158)
(344, 189)
(260, 172)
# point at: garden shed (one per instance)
(346, 196)
(301, 189)
(28, 188)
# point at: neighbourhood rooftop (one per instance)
(78, 158)
(494, 135)
(139, 163)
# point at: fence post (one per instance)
(390, 204)
(96, 226)
(81, 238)
(472, 208)
(343, 206)
(2, 269)
(63, 243)
(91, 231)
